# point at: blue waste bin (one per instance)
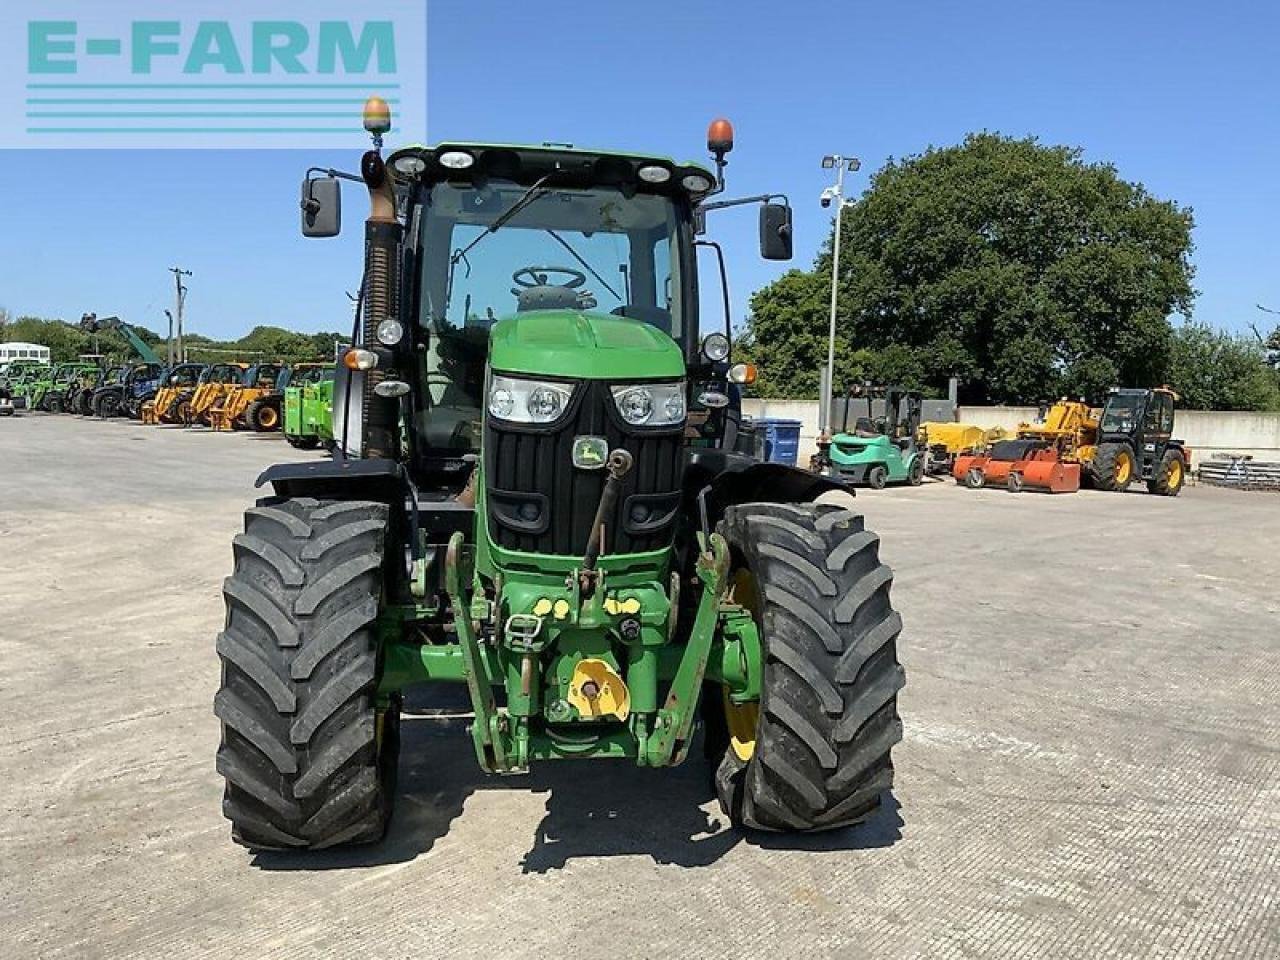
(781, 440)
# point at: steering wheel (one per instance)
(536, 277)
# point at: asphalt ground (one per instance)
(1091, 764)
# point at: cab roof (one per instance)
(574, 166)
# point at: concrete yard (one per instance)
(1091, 765)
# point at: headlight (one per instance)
(651, 404)
(715, 347)
(390, 332)
(527, 401)
(456, 159)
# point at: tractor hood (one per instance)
(581, 345)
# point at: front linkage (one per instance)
(500, 646)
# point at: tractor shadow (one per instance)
(602, 808)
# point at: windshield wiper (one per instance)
(500, 221)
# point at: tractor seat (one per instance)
(545, 297)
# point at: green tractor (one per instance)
(36, 389)
(1135, 442)
(81, 400)
(878, 450)
(21, 377)
(65, 378)
(531, 497)
(308, 406)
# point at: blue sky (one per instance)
(1179, 95)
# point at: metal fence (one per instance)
(1242, 471)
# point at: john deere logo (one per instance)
(590, 453)
(282, 73)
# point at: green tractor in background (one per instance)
(878, 450)
(308, 406)
(532, 497)
(66, 378)
(80, 399)
(36, 389)
(21, 377)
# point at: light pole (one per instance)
(829, 196)
(181, 301)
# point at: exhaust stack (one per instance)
(382, 238)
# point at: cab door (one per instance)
(1157, 426)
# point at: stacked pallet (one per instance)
(1242, 471)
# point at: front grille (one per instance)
(538, 502)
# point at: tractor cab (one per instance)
(593, 253)
(267, 376)
(176, 387)
(878, 448)
(185, 375)
(1136, 442)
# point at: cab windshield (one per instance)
(590, 249)
(1121, 414)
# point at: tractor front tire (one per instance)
(308, 755)
(827, 716)
(1113, 466)
(877, 477)
(263, 416)
(106, 406)
(975, 479)
(1169, 475)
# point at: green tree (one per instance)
(1016, 266)
(1212, 370)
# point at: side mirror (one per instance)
(775, 231)
(321, 207)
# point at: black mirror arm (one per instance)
(742, 201)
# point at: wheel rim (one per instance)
(268, 417)
(1123, 468)
(1175, 473)
(743, 719)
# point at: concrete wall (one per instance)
(1206, 431)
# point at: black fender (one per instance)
(722, 478)
(338, 479)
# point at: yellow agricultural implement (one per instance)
(1049, 454)
(216, 382)
(946, 440)
(173, 399)
(254, 403)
